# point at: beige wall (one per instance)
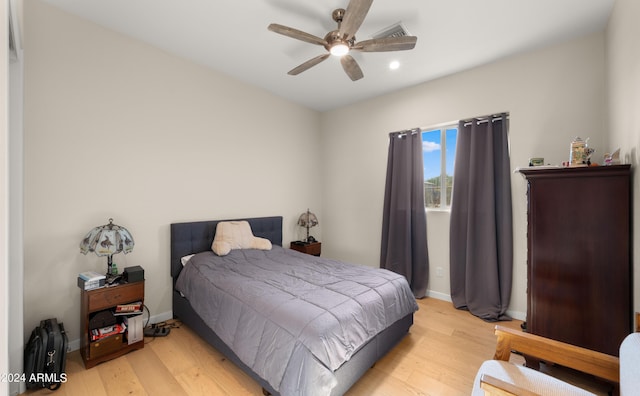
(115, 128)
(553, 95)
(623, 77)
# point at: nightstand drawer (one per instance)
(105, 346)
(108, 297)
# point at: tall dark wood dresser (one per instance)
(579, 286)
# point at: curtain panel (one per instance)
(404, 222)
(481, 238)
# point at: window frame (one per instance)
(443, 127)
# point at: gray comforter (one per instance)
(293, 318)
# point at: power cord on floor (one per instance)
(161, 329)
(144, 307)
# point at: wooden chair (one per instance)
(525, 381)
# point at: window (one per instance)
(439, 149)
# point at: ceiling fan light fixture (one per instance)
(342, 41)
(339, 49)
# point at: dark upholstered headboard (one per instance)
(196, 237)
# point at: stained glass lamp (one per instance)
(107, 240)
(307, 220)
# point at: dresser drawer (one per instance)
(109, 297)
(105, 346)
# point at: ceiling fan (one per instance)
(341, 41)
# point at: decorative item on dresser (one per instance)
(107, 240)
(579, 262)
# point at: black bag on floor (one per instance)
(45, 356)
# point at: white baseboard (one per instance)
(438, 295)
(517, 315)
(446, 297)
(161, 317)
(74, 345)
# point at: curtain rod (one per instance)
(405, 132)
(485, 119)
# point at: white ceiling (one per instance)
(231, 36)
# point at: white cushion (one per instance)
(630, 365)
(236, 235)
(526, 378)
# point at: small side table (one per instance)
(312, 248)
(106, 299)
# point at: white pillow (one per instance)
(184, 260)
(236, 235)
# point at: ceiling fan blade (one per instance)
(297, 34)
(387, 44)
(308, 64)
(353, 17)
(351, 67)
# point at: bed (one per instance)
(293, 361)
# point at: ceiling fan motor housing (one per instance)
(333, 38)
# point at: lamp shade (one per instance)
(307, 219)
(107, 240)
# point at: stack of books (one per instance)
(128, 309)
(108, 331)
(91, 280)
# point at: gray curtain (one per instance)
(481, 240)
(404, 221)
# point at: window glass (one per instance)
(438, 149)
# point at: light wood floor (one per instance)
(440, 356)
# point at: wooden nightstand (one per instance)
(105, 299)
(312, 248)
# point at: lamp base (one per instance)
(113, 279)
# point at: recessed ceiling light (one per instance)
(394, 65)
